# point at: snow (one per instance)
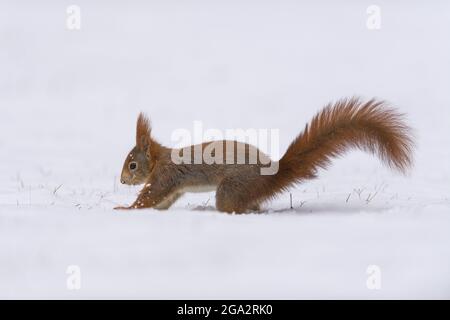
(68, 105)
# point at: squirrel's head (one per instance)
(138, 162)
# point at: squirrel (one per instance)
(370, 126)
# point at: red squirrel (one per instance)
(371, 126)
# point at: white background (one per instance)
(68, 105)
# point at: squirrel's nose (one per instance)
(122, 181)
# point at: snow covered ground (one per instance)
(68, 104)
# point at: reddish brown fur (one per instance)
(143, 131)
(349, 123)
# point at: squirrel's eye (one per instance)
(133, 165)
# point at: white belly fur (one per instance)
(199, 189)
(170, 199)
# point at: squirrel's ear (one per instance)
(143, 132)
(148, 154)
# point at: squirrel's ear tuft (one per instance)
(143, 131)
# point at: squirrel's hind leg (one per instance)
(255, 208)
(232, 197)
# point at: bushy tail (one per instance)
(349, 123)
